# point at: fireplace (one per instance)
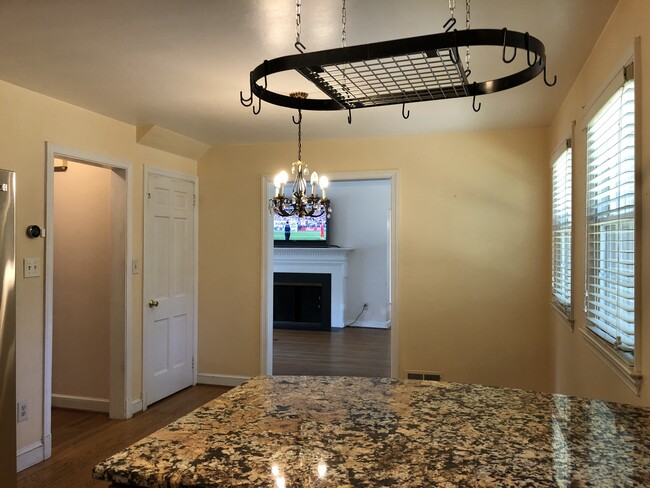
(302, 301)
(331, 261)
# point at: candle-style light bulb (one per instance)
(276, 184)
(324, 182)
(282, 178)
(314, 181)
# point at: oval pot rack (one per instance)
(401, 71)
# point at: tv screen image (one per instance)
(297, 231)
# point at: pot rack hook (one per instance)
(246, 102)
(449, 24)
(546, 81)
(299, 117)
(405, 113)
(527, 43)
(350, 116)
(474, 107)
(259, 106)
(503, 55)
(300, 47)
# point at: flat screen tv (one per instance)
(301, 231)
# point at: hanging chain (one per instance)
(344, 21)
(468, 24)
(298, 44)
(344, 43)
(299, 135)
(452, 7)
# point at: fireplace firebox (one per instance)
(302, 301)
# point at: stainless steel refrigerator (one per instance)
(7, 330)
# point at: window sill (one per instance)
(607, 353)
(566, 318)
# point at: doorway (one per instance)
(112, 299)
(388, 226)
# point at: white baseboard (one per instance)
(29, 456)
(221, 379)
(74, 402)
(135, 407)
(372, 325)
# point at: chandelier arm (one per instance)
(313, 63)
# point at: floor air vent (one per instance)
(424, 375)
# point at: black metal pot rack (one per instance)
(401, 71)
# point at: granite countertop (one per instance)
(298, 431)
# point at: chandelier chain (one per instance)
(299, 135)
(298, 21)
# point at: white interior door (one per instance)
(169, 272)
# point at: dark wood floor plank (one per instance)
(82, 439)
(349, 351)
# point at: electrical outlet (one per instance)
(365, 306)
(22, 411)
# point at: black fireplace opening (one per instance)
(302, 301)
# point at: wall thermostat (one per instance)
(33, 231)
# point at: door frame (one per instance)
(151, 170)
(120, 364)
(266, 305)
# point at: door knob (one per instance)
(153, 303)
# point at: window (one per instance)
(562, 231)
(611, 203)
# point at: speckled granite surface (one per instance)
(348, 432)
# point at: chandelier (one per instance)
(300, 203)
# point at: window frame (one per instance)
(626, 368)
(563, 154)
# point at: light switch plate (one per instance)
(31, 267)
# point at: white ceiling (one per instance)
(181, 64)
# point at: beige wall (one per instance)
(82, 281)
(473, 256)
(578, 370)
(27, 120)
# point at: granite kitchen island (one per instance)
(297, 431)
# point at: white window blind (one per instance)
(610, 262)
(562, 230)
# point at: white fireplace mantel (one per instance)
(326, 260)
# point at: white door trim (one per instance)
(151, 170)
(266, 305)
(120, 378)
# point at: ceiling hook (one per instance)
(546, 81)
(503, 55)
(405, 113)
(259, 106)
(476, 109)
(350, 116)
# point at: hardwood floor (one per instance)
(351, 351)
(82, 439)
